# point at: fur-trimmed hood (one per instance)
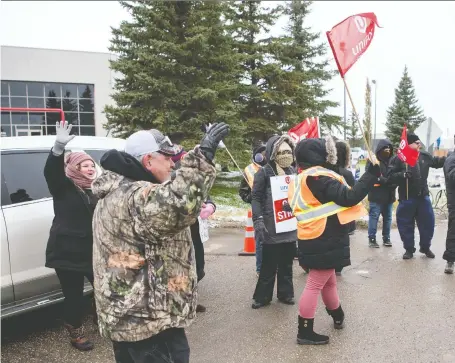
(316, 152)
(273, 144)
(343, 154)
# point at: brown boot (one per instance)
(78, 339)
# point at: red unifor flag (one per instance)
(351, 38)
(405, 152)
(307, 129)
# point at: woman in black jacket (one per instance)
(278, 250)
(324, 237)
(69, 248)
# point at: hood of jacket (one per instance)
(273, 144)
(316, 152)
(117, 166)
(382, 144)
(343, 154)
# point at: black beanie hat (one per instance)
(412, 138)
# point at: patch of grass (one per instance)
(226, 191)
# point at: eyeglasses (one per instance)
(284, 152)
(167, 141)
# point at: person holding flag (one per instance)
(324, 205)
(409, 170)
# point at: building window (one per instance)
(76, 100)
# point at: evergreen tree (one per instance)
(304, 56)
(405, 110)
(262, 111)
(177, 69)
(367, 115)
(353, 135)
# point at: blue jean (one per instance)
(258, 254)
(411, 211)
(376, 210)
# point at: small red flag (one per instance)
(351, 38)
(307, 129)
(405, 153)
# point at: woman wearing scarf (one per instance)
(278, 249)
(69, 248)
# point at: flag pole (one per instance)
(370, 154)
(232, 158)
(407, 183)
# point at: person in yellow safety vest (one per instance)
(259, 161)
(323, 205)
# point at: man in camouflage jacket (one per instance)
(144, 268)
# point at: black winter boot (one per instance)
(338, 317)
(408, 255)
(427, 252)
(372, 242)
(306, 335)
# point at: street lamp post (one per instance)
(375, 108)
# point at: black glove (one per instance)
(375, 170)
(407, 175)
(212, 138)
(260, 230)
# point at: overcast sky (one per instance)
(418, 34)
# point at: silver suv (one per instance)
(27, 213)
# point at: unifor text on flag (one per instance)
(350, 38)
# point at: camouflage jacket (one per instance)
(143, 259)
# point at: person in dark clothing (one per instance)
(258, 161)
(343, 164)
(278, 249)
(207, 209)
(324, 205)
(382, 197)
(449, 173)
(414, 201)
(69, 248)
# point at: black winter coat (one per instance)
(417, 185)
(449, 173)
(70, 242)
(331, 249)
(262, 201)
(385, 192)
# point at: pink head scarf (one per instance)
(72, 172)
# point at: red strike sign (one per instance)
(280, 214)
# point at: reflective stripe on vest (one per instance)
(250, 170)
(305, 213)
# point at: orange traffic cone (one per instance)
(249, 246)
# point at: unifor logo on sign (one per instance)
(361, 24)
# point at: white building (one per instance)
(78, 82)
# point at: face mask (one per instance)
(284, 157)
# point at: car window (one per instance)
(96, 154)
(23, 174)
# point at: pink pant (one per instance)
(319, 281)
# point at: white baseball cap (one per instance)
(148, 141)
